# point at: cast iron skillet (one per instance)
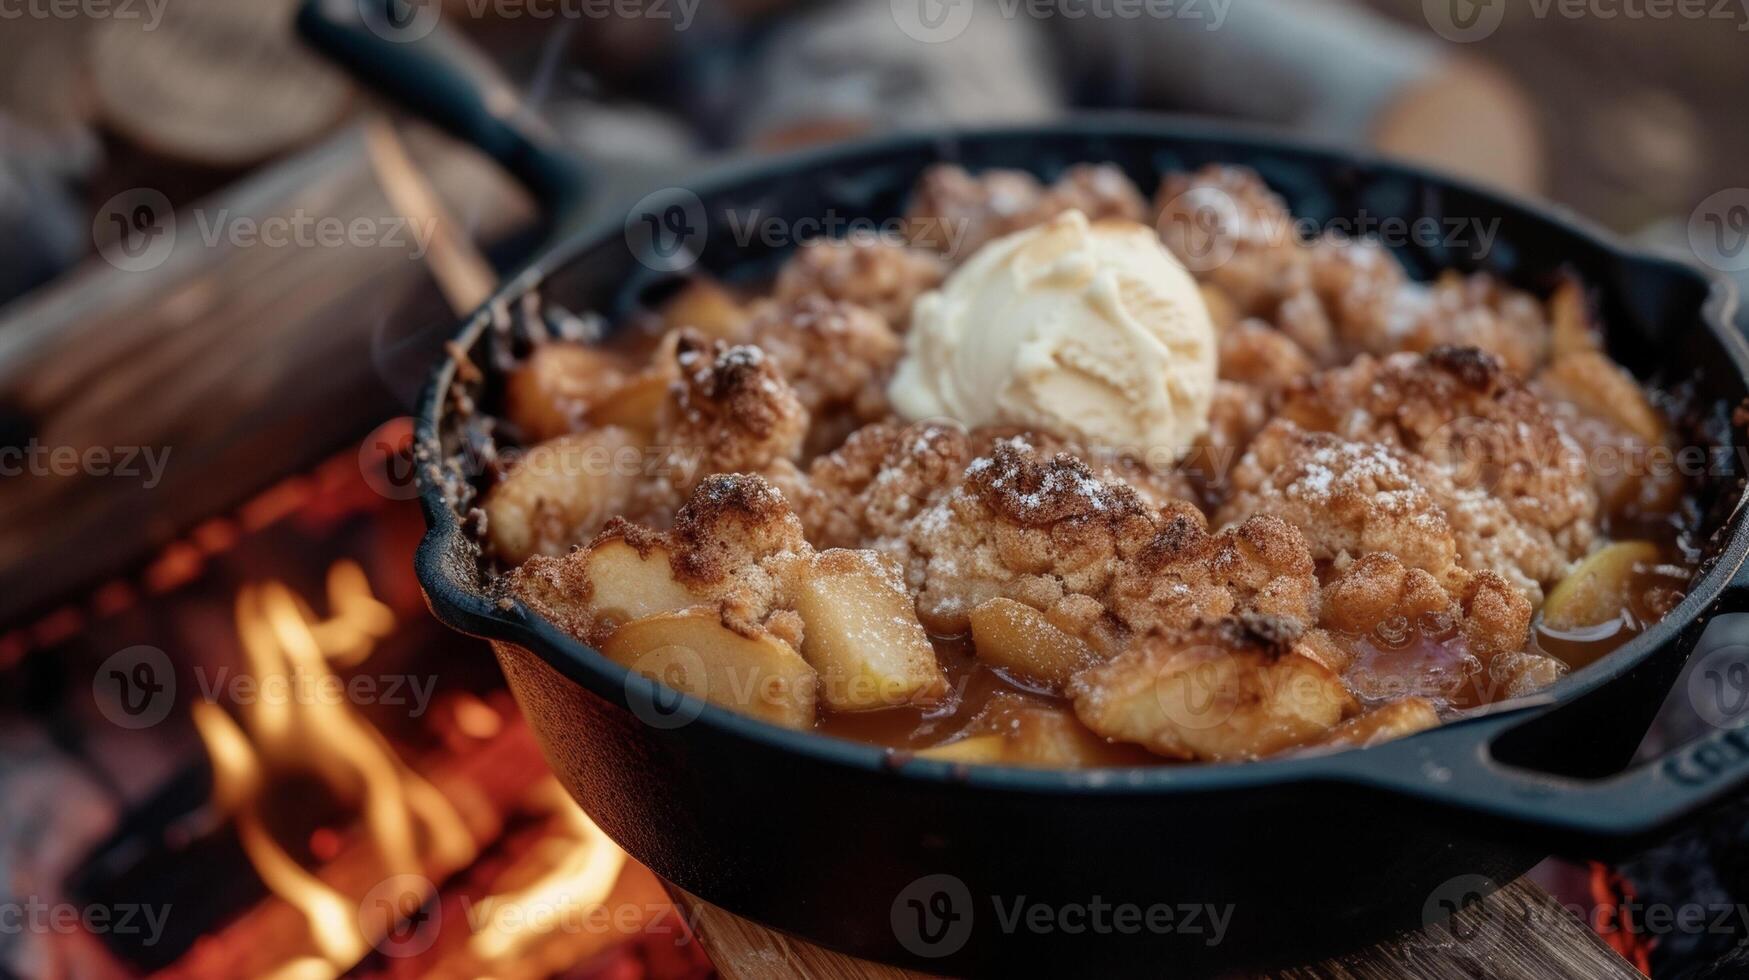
(926, 864)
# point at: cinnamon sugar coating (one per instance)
(864, 269)
(1335, 296)
(1487, 434)
(1354, 498)
(956, 213)
(835, 355)
(730, 411)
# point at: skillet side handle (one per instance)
(401, 50)
(1459, 767)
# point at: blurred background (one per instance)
(226, 265)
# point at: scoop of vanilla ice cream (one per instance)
(1084, 329)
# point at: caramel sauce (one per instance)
(979, 695)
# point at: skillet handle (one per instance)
(400, 49)
(1461, 766)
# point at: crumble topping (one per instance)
(1393, 481)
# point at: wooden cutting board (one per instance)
(1552, 943)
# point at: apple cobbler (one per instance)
(1043, 485)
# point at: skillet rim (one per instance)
(458, 604)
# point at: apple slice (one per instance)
(549, 394)
(558, 494)
(1043, 737)
(1597, 590)
(693, 652)
(626, 584)
(636, 404)
(1055, 738)
(707, 307)
(1018, 638)
(1382, 724)
(982, 750)
(1219, 692)
(861, 633)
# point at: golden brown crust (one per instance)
(1017, 484)
(1336, 296)
(1347, 498)
(835, 355)
(730, 411)
(864, 269)
(955, 213)
(729, 522)
(1184, 575)
(1232, 231)
(1486, 433)
(882, 477)
(1391, 605)
(1263, 358)
(1100, 191)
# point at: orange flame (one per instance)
(288, 652)
(413, 828)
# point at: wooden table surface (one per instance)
(1529, 936)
